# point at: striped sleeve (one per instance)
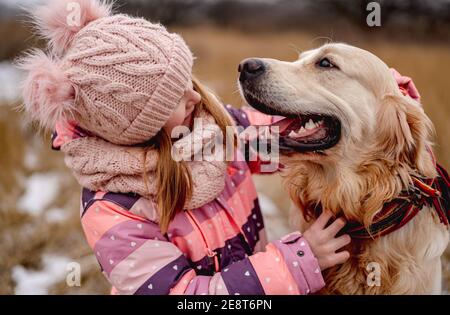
(137, 259)
(286, 267)
(245, 117)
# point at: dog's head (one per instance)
(342, 104)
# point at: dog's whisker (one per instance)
(295, 48)
(235, 91)
(327, 39)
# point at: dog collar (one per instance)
(433, 192)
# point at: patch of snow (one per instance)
(31, 158)
(56, 215)
(10, 78)
(275, 223)
(268, 207)
(38, 282)
(40, 190)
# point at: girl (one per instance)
(114, 87)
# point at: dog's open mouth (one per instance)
(308, 132)
(303, 132)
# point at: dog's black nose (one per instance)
(251, 68)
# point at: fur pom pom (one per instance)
(48, 94)
(60, 20)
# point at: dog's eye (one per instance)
(325, 63)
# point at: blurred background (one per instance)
(40, 233)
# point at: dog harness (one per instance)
(434, 192)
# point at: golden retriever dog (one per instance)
(352, 143)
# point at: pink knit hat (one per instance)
(118, 76)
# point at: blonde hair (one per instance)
(174, 180)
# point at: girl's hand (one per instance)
(323, 242)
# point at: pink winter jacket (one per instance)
(219, 248)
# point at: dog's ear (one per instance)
(404, 132)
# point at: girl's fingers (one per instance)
(340, 242)
(323, 219)
(340, 258)
(335, 227)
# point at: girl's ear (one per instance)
(404, 133)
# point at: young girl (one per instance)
(114, 87)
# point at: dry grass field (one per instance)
(52, 229)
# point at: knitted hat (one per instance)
(118, 76)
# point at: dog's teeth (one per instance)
(310, 124)
(301, 130)
(292, 134)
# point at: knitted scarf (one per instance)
(103, 166)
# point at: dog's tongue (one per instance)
(283, 123)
